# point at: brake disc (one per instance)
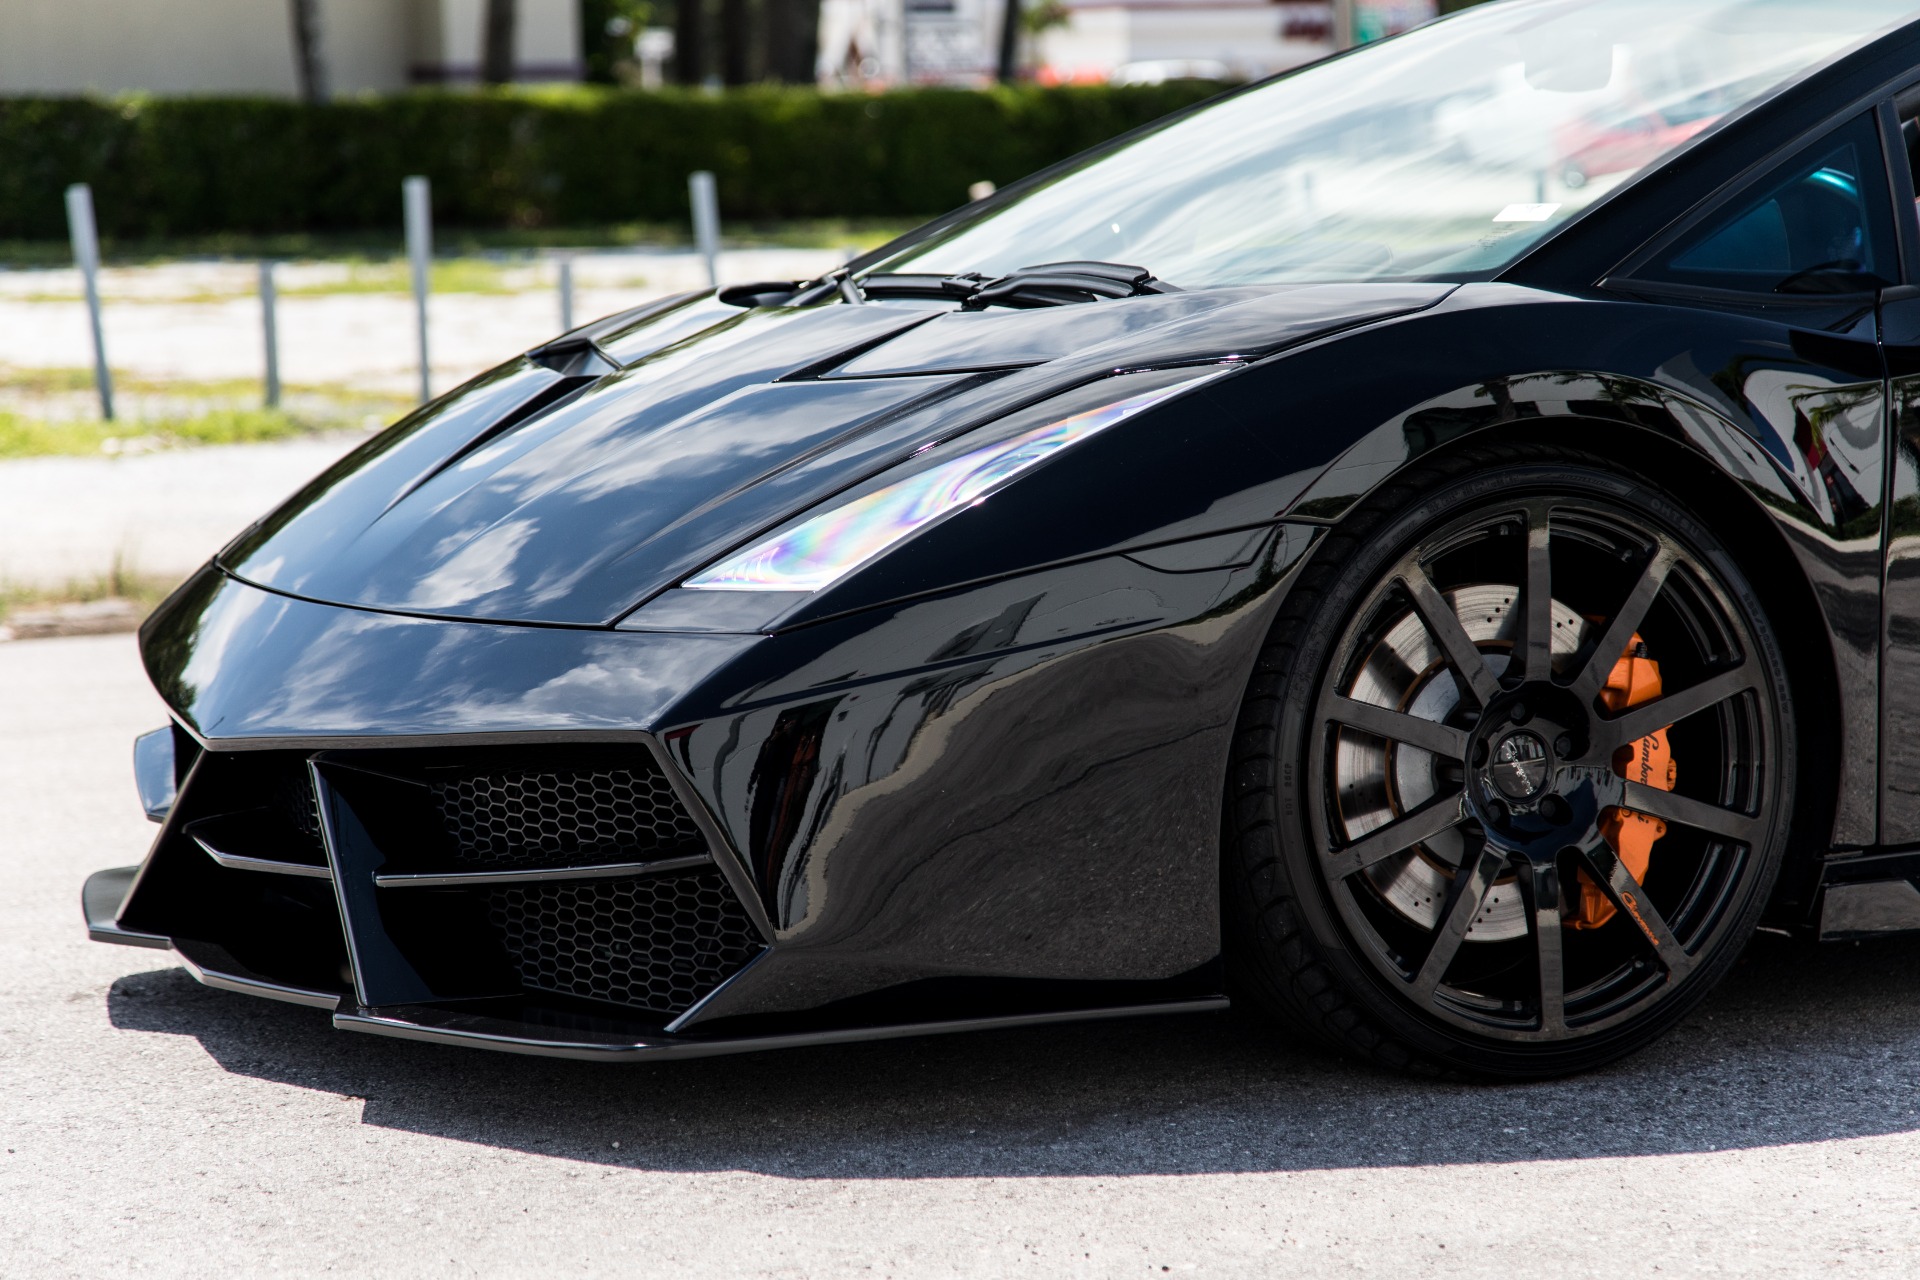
(1378, 781)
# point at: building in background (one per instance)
(1378, 19)
(247, 46)
(1134, 40)
(881, 43)
(877, 43)
(445, 40)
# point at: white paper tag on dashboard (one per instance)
(1526, 213)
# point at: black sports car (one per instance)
(1428, 546)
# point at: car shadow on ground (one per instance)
(1801, 1044)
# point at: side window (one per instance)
(1821, 223)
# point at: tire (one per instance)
(1429, 851)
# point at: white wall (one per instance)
(546, 40)
(246, 46)
(162, 46)
(367, 43)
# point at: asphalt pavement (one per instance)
(150, 1126)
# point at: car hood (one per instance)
(545, 492)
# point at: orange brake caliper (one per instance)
(1635, 680)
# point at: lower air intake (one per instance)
(293, 799)
(659, 944)
(514, 819)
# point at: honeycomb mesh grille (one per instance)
(658, 944)
(293, 800)
(556, 817)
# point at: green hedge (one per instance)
(520, 159)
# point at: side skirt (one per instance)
(1873, 895)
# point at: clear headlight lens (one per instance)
(826, 547)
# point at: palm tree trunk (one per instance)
(736, 42)
(496, 61)
(310, 68)
(689, 41)
(1010, 43)
(793, 40)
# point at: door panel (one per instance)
(1802, 256)
(1900, 688)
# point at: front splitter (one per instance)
(434, 1025)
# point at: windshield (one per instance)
(1447, 152)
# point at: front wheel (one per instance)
(1511, 785)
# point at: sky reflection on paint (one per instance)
(819, 551)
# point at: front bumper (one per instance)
(1019, 825)
(500, 1029)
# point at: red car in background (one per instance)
(1595, 146)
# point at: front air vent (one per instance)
(257, 811)
(515, 819)
(294, 802)
(659, 943)
(240, 879)
(554, 875)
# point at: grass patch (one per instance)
(45, 380)
(42, 380)
(446, 275)
(389, 276)
(144, 590)
(47, 410)
(815, 233)
(25, 437)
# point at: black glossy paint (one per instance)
(1736, 389)
(577, 511)
(1900, 714)
(1068, 728)
(985, 772)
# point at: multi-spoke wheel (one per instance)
(1512, 783)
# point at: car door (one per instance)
(1792, 263)
(1900, 686)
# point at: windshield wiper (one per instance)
(1050, 284)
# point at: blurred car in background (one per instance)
(1594, 147)
(1161, 70)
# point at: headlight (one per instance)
(833, 543)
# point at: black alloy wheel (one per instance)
(1453, 840)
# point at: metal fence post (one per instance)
(416, 199)
(566, 294)
(706, 222)
(86, 256)
(270, 332)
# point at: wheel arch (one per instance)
(1793, 609)
(1691, 450)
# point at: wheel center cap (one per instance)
(1519, 765)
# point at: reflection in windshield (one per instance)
(1446, 152)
